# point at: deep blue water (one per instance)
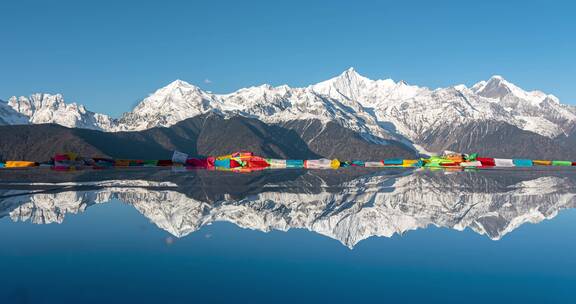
(111, 253)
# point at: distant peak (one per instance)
(179, 83)
(349, 72)
(498, 87)
(351, 75)
(265, 86)
(460, 87)
(497, 80)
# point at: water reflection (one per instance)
(348, 206)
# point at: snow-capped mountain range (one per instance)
(382, 109)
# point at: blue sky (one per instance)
(109, 55)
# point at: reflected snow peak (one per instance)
(348, 207)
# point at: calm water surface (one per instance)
(347, 236)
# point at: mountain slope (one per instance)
(499, 139)
(207, 134)
(333, 140)
(10, 117)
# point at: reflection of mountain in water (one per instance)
(342, 205)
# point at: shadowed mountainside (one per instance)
(499, 139)
(203, 135)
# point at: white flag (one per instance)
(179, 157)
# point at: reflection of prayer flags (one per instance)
(486, 161)
(522, 163)
(277, 163)
(471, 164)
(373, 164)
(561, 163)
(293, 163)
(318, 163)
(393, 161)
(222, 163)
(19, 164)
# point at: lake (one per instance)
(288, 236)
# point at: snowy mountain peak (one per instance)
(460, 87)
(168, 105)
(348, 85)
(177, 87)
(495, 87)
(369, 93)
(178, 83)
(499, 88)
(478, 86)
(534, 111)
(351, 73)
(352, 76)
(47, 108)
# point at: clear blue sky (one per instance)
(108, 55)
